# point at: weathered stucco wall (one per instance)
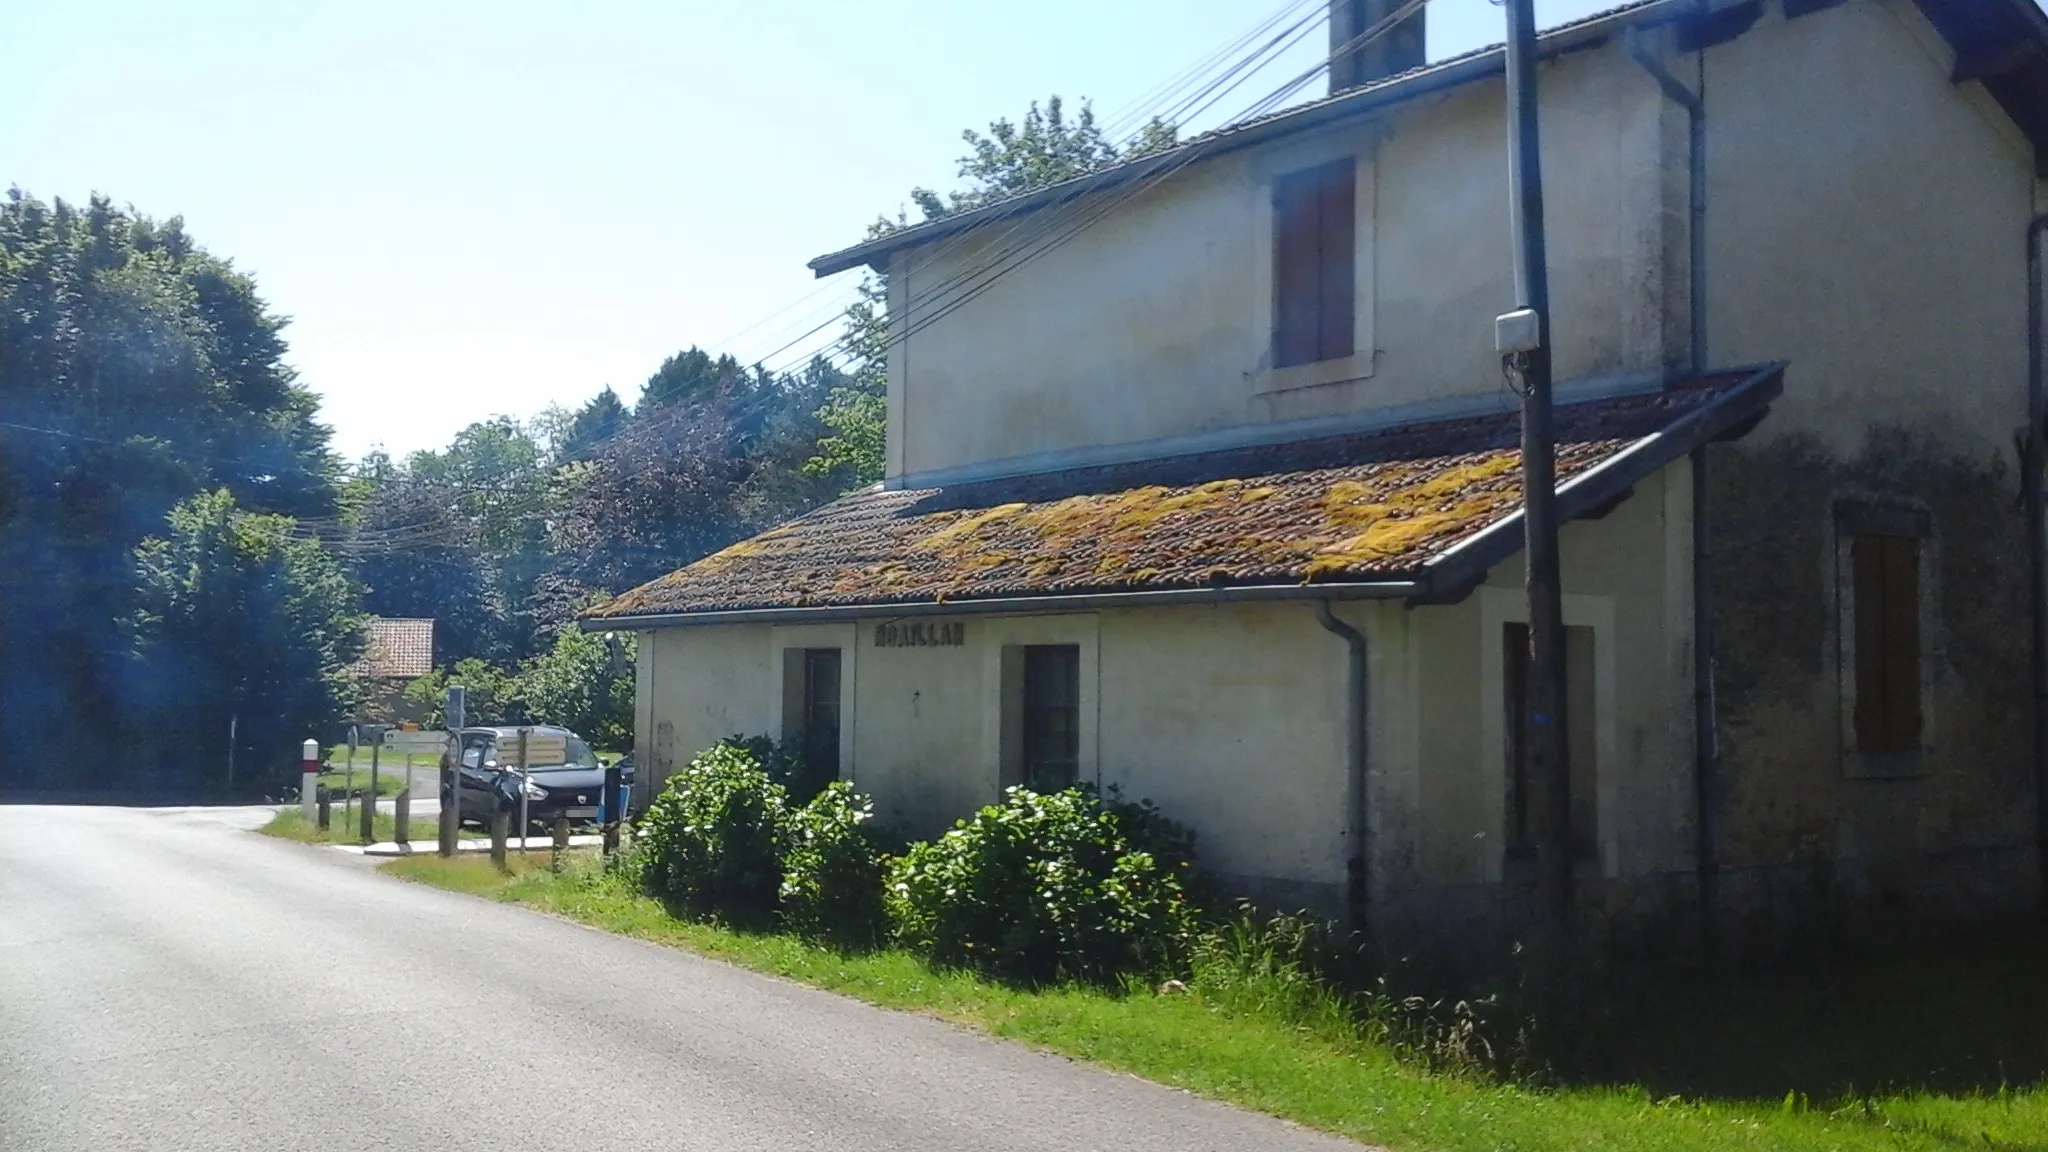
(1440, 766)
(1155, 320)
(1230, 718)
(1866, 218)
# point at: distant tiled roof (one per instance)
(1375, 505)
(396, 648)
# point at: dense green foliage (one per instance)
(832, 866)
(1043, 887)
(238, 623)
(136, 371)
(710, 844)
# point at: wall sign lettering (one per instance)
(947, 634)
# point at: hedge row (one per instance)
(1041, 887)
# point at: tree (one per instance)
(500, 476)
(655, 497)
(856, 412)
(579, 685)
(1012, 160)
(238, 622)
(591, 425)
(415, 555)
(136, 370)
(692, 376)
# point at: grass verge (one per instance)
(1310, 1068)
(389, 783)
(289, 824)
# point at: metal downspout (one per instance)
(1356, 898)
(1706, 736)
(2037, 541)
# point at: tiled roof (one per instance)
(396, 648)
(1375, 505)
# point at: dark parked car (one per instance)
(562, 777)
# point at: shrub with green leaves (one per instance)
(709, 844)
(833, 864)
(1047, 887)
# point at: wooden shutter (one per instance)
(1314, 264)
(1337, 196)
(1886, 590)
(1296, 256)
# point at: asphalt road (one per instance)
(169, 981)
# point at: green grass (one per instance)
(1315, 1066)
(389, 783)
(346, 828)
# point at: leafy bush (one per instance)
(784, 762)
(1045, 887)
(832, 869)
(708, 844)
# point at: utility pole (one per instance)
(1523, 338)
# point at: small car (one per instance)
(562, 776)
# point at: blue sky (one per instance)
(480, 208)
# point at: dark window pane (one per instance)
(1886, 595)
(821, 712)
(1052, 699)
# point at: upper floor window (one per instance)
(1315, 272)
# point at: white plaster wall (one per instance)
(1439, 744)
(1865, 219)
(1232, 719)
(702, 685)
(1154, 320)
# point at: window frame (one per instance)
(1038, 660)
(1499, 606)
(1266, 377)
(1315, 262)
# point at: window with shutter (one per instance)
(1315, 276)
(1886, 601)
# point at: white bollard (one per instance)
(309, 775)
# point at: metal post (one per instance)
(498, 819)
(614, 807)
(451, 771)
(525, 780)
(309, 777)
(348, 787)
(233, 723)
(376, 751)
(401, 820)
(1549, 762)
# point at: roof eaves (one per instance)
(1049, 604)
(1447, 73)
(1452, 576)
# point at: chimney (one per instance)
(1395, 50)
